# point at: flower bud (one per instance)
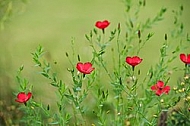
(162, 100)
(186, 77)
(165, 37)
(182, 83)
(175, 88)
(119, 27)
(139, 34)
(67, 55)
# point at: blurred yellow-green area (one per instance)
(55, 23)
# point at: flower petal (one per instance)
(133, 61)
(183, 57)
(23, 98)
(154, 88)
(129, 60)
(166, 89)
(159, 92)
(188, 58)
(88, 68)
(160, 84)
(87, 65)
(137, 59)
(29, 96)
(85, 68)
(80, 67)
(102, 24)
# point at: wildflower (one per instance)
(186, 77)
(133, 61)
(175, 88)
(162, 100)
(184, 58)
(159, 88)
(85, 68)
(102, 24)
(182, 83)
(23, 98)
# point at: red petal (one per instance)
(159, 92)
(160, 84)
(137, 59)
(102, 24)
(29, 95)
(21, 94)
(183, 58)
(133, 61)
(128, 60)
(154, 88)
(166, 89)
(17, 100)
(80, 67)
(88, 68)
(98, 24)
(22, 97)
(85, 68)
(188, 59)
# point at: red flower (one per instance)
(23, 98)
(102, 24)
(159, 88)
(185, 59)
(133, 61)
(85, 68)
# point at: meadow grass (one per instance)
(55, 24)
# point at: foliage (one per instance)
(127, 97)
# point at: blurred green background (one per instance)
(54, 23)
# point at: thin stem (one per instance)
(119, 55)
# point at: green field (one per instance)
(53, 24)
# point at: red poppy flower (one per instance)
(159, 88)
(102, 24)
(185, 59)
(85, 68)
(23, 98)
(133, 61)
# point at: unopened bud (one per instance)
(165, 37)
(180, 90)
(183, 89)
(48, 107)
(131, 23)
(182, 83)
(60, 108)
(181, 7)
(162, 100)
(186, 77)
(139, 34)
(144, 2)
(175, 88)
(139, 72)
(67, 55)
(126, 35)
(155, 116)
(119, 26)
(78, 58)
(185, 99)
(188, 97)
